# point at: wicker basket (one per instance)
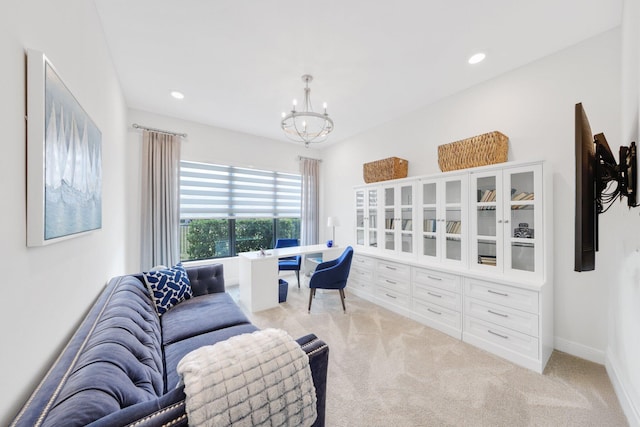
(385, 169)
(485, 149)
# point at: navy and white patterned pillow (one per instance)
(168, 287)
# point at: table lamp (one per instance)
(333, 222)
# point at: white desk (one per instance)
(259, 273)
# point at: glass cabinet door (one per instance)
(453, 220)
(505, 213)
(372, 217)
(429, 219)
(389, 219)
(443, 212)
(360, 217)
(367, 217)
(522, 217)
(485, 234)
(406, 219)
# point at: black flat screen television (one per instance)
(599, 182)
(586, 231)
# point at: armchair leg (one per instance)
(298, 276)
(342, 299)
(312, 293)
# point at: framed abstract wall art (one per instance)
(64, 159)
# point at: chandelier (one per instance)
(306, 126)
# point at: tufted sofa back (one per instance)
(206, 279)
(124, 325)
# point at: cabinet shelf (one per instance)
(528, 205)
(523, 243)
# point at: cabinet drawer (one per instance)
(510, 296)
(361, 279)
(392, 297)
(503, 337)
(360, 273)
(393, 283)
(448, 282)
(448, 299)
(520, 321)
(438, 313)
(399, 271)
(362, 261)
(362, 285)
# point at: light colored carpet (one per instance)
(387, 370)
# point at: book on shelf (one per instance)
(454, 227)
(429, 225)
(488, 196)
(487, 259)
(522, 196)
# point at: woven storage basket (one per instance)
(485, 149)
(385, 169)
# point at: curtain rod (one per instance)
(308, 158)
(137, 126)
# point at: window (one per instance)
(225, 210)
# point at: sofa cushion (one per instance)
(168, 287)
(175, 352)
(200, 315)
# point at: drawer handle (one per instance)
(497, 334)
(434, 312)
(498, 314)
(392, 296)
(390, 268)
(434, 295)
(391, 281)
(434, 278)
(497, 293)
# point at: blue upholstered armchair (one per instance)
(332, 275)
(292, 263)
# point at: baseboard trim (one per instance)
(621, 389)
(579, 350)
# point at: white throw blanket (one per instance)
(258, 379)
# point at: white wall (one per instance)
(208, 145)
(47, 290)
(534, 106)
(623, 352)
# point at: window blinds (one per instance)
(219, 191)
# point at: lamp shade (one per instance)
(333, 221)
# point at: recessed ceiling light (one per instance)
(177, 95)
(478, 57)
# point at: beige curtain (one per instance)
(160, 244)
(309, 224)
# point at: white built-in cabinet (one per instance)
(466, 252)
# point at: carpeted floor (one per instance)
(387, 370)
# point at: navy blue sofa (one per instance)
(119, 368)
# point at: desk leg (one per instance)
(259, 283)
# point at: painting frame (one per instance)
(64, 159)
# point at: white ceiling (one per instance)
(239, 62)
